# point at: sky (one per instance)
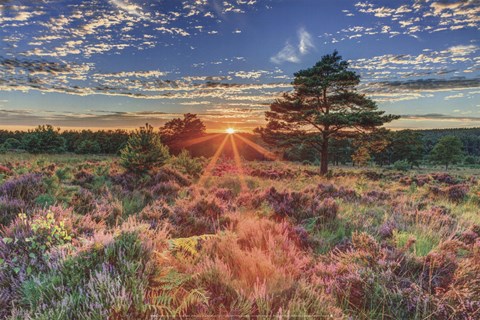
(104, 64)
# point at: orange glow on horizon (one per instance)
(230, 131)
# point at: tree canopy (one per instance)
(177, 131)
(323, 105)
(448, 150)
(143, 151)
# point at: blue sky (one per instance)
(119, 63)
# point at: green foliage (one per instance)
(177, 132)
(407, 145)
(401, 165)
(144, 151)
(448, 150)
(45, 200)
(44, 139)
(11, 144)
(88, 147)
(470, 160)
(187, 164)
(325, 101)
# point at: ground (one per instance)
(82, 238)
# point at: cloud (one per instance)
(293, 54)
(432, 84)
(129, 7)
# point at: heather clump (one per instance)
(291, 204)
(329, 190)
(197, 216)
(445, 178)
(83, 201)
(26, 187)
(170, 175)
(273, 173)
(455, 193)
(165, 190)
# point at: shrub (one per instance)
(170, 175)
(88, 147)
(291, 204)
(26, 187)
(457, 193)
(44, 139)
(12, 144)
(186, 164)
(166, 190)
(470, 160)
(9, 209)
(401, 165)
(23, 251)
(144, 151)
(326, 210)
(198, 216)
(83, 201)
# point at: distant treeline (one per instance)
(46, 139)
(413, 146)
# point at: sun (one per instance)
(230, 130)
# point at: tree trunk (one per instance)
(324, 157)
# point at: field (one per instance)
(83, 239)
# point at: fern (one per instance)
(175, 294)
(189, 246)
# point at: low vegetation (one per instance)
(84, 237)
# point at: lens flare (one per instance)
(230, 131)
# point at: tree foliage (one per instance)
(323, 106)
(448, 150)
(44, 139)
(144, 151)
(178, 131)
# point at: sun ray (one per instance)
(238, 163)
(267, 154)
(191, 142)
(213, 161)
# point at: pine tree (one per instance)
(144, 151)
(324, 105)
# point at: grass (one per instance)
(365, 243)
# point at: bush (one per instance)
(401, 165)
(44, 139)
(187, 164)
(470, 160)
(144, 151)
(12, 144)
(88, 147)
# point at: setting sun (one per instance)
(230, 130)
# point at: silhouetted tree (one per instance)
(177, 131)
(324, 103)
(448, 150)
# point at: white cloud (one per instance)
(306, 42)
(129, 7)
(287, 54)
(291, 53)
